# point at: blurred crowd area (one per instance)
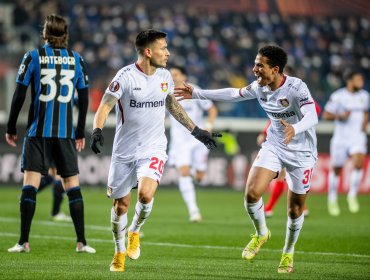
(217, 48)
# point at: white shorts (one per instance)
(341, 149)
(298, 178)
(195, 155)
(123, 177)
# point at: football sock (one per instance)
(257, 215)
(119, 224)
(333, 187)
(355, 181)
(187, 190)
(76, 208)
(293, 229)
(58, 193)
(277, 189)
(27, 210)
(142, 211)
(45, 181)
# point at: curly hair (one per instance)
(276, 56)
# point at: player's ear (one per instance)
(148, 52)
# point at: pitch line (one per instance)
(166, 244)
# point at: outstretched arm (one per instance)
(182, 117)
(176, 110)
(224, 94)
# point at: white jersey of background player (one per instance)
(141, 92)
(191, 158)
(348, 107)
(291, 143)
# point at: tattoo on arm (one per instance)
(107, 103)
(176, 110)
(109, 100)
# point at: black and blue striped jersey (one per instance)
(54, 75)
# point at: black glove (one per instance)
(205, 137)
(96, 137)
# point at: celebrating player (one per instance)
(348, 107)
(291, 143)
(54, 73)
(193, 154)
(140, 92)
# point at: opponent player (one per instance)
(140, 92)
(291, 143)
(193, 155)
(348, 107)
(54, 73)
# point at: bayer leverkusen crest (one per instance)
(284, 102)
(164, 87)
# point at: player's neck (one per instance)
(278, 82)
(351, 89)
(145, 67)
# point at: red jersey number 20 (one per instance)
(157, 164)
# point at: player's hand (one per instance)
(288, 131)
(261, 138)
(96, 137)
(184, 92)
(10, 139)
(205, 137)
(80, 144)
(343, 117)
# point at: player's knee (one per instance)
(121, 206)
(295, 211)
(145, 199)
(251, 196)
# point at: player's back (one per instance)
(54, 74)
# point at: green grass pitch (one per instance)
(173, 248)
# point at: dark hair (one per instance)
(147, 37)
(350, 72)
(180, 68)
(56, 31)
(276, 56)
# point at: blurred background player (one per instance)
(348, 107)
(54, 73)
(58, 194)
(140, 92)
(188, 154)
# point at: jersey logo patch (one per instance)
(284, 102)
(114, 86)
(164, 87)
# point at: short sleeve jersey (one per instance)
(356, 103)
(285, 103)
(54, 74)
(140, 112)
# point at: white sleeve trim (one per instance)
(224, 94)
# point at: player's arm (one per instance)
(365, 121)
(224, 94)
(17, 103)
(329, 116)
(106, 105)
(83, 104)
(309, 120)
(176, 110)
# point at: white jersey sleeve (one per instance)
(225, 94)
(118, 84)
